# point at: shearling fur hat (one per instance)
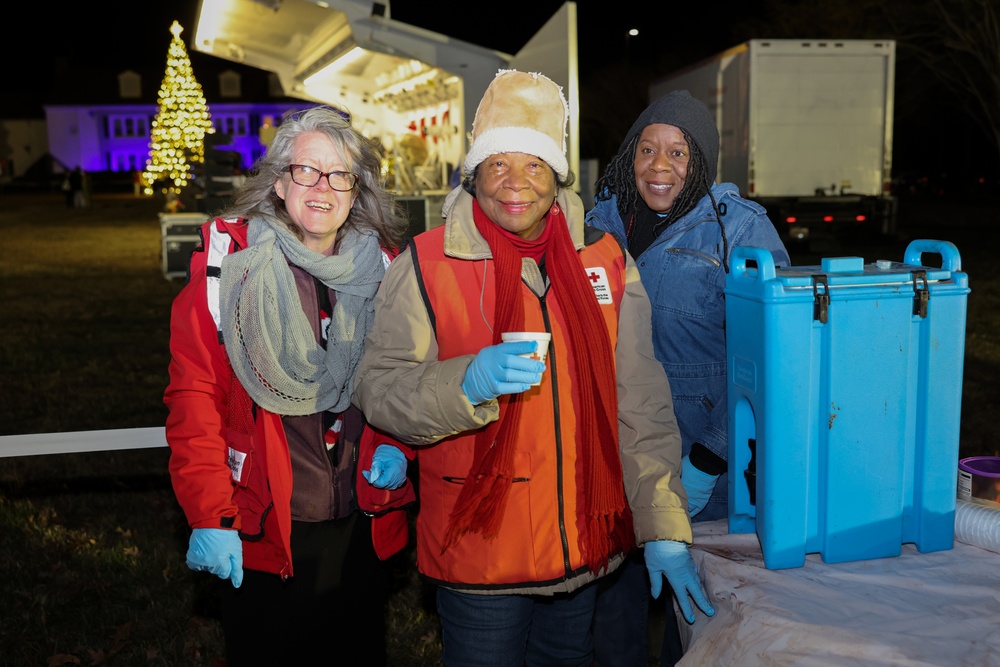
(679, 109)
(521, 113)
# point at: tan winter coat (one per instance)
(406, 385)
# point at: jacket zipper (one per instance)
(708, 258)
(560, 482)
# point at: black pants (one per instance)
(334, 605)
(671, 651)
(627, 616)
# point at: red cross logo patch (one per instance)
(598, 279)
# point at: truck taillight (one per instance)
(791, 219)
(860, 218)
(827, 218)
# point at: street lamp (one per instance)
(633, 32)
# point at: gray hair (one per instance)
(374, 207)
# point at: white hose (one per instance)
(977, 525)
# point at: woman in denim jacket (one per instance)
(659, 198)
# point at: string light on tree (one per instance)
(176, 138)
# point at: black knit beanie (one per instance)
(679, 109)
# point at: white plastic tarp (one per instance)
(914, 610)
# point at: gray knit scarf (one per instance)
(269, 340)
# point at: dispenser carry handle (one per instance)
(950, 258)
(761, 257)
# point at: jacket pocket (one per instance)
(252, 495)
(684, 282)
(371, 500)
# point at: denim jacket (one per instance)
(684, 275)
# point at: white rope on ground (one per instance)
(81, 441)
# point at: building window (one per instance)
(117, 127)
(120, 161)
(234, 125)
(229, 84)
(129, 85)
(274, 87)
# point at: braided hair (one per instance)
(619, 179)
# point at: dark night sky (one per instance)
(123, 34)
(119, 31)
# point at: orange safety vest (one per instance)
(538, 541)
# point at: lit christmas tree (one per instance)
(178, 131)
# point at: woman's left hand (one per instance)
(388, 470)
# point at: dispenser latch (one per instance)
(821, 298)
(921, 293)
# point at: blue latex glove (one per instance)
(698, 484)
(498, 369)
(670, 559)
(217, 551)
(388, 469)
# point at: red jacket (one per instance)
(230, 464)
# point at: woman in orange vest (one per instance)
(536, 479)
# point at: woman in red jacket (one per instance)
(288, 492)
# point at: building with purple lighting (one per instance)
(101, 122)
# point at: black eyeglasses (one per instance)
(341, 181)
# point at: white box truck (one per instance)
(806, 129)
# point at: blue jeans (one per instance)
(517, 630)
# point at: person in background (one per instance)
(658, 196)
(83, 195)
(265, 340)
(529, 495)
(75, 193)
(67, 189)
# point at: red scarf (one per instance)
(603, 516)
(535, 249)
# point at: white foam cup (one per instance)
(541, 337)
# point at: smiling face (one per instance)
(318, 211)
(516, 191)
(661, 164)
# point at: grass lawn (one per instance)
(92, 545)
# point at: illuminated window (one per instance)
(234, 125)
(229, 84)
(129, 85)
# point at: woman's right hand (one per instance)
(498, 369)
